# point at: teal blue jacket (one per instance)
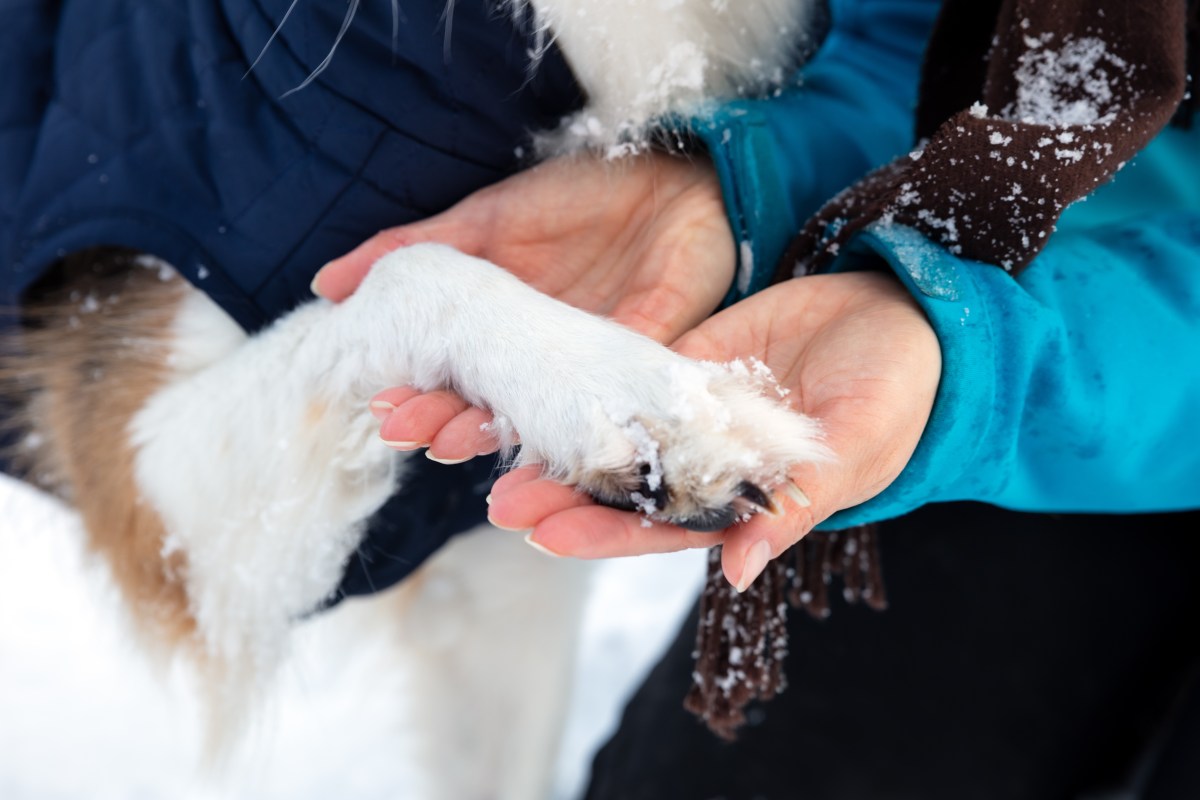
(1072, 388)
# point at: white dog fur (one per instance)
(261, 459)
(643, 60)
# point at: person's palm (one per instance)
(854, 350)
(644, 240)
(646, 243)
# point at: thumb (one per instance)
(811, 494)
(339, 279)
(749, 546)
(860, 469)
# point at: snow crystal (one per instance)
(164, 270)
(908, 195)
(623, 149)
(1070, 85)
(646, 454)
(587, 127)
(763, 376)
(948, 226)
(644, 504)
(745, 266)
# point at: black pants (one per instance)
(1023, 656)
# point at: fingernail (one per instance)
(505, 527)
(541, 548)
(432, 457)
(797, 494)
(488, 500)
(315, 286)
(406, 445)
(756, 561)
(381, 409)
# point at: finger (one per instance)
(464, 437)
(338, 279)
(518, 505)
(416, 422)
(867, 460)
(387, 401)
(516, 477)
(748, 547)
(594, 531)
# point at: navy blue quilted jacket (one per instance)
(140, 123)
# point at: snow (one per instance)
(1068, 85)
(83, 714)
(745, 265)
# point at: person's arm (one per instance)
(780, 158)
(1073, 388)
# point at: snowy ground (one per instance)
(83, 715)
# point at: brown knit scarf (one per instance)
(742, 639)
(1025, 107)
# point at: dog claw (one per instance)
(753, 500)
(750, 500)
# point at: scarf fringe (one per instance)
(742, 639)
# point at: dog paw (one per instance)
(599, 406)
(699, 444)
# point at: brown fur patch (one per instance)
(91, 350)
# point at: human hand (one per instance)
(644, 241)
(856, 352)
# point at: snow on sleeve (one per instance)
(1067, 85)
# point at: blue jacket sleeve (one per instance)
(780, 158)
(1074, 388)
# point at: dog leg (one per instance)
(263, 464)
(597, 405)
(265, 459)
(258, 458)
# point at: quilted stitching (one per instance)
(153, 124)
